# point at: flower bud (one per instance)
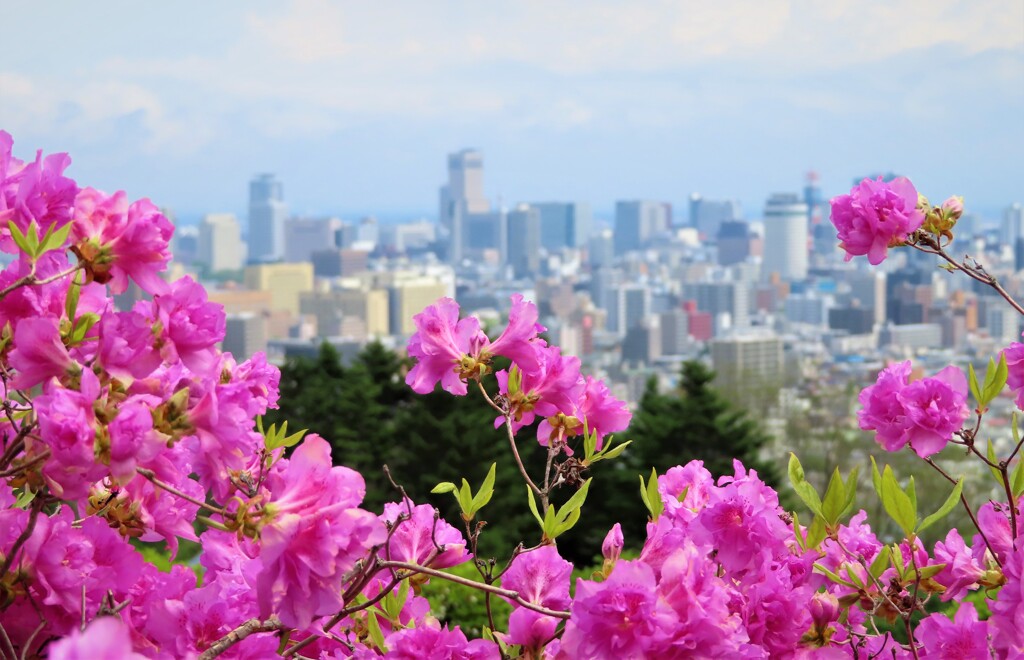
(613, 542)
(953, 208)
(824, 609)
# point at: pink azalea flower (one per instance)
(554, 387)
(596, 410)
(876, 216)
(39, 354)
(519, 341)
(440, 643)
(449, 351)
(313, 536)
(1007, 618)
(439, 344)
(611, 548)
(964, 638)
(119, 240)
(67, 427)
(1014, 354)
(127, 348)
(33, 192)
(106, 637)
(188, 326)
(935, 409)
(414, 539)
(881, 410)
(962, 570)
(621, 617)
(540, 576)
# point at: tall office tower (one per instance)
(461, 196)
(716, 298)
(1012, 227)
(304, 236)
(244, 334)
(814, 199)
(628, 305)
(867, 291)
(185, 244)
(785, 237)
(707, 215)
(564, 224)
(267, 212)
(748, 364)
(636, 222)
(220, 242)
(733, 242)
(368, 232)
(285, 282)
(601, 249)
(524, 240)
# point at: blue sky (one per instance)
(355, 105)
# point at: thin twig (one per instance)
(967, 506)
(8, 646)
(37, 507)
(174, 491)
(238, 634)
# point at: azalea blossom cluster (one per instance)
(541, 382)
(125, 431)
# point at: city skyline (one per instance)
(356, 109)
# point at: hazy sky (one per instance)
(355, 105)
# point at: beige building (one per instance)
(285, 282)
(360, 314)
(408, 297)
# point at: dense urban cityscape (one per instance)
(763, 296)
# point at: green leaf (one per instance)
(946, 507)
(851, 492)
(651, 497)
(803, 489)
(876, 478)
(32, 238)
(854, 578)
(24, 498)
(444, 487)
(912, 493)
(1017, 478)
(19, 238)
(990, 453)
(816, 533)
(972, 378)
(930, 571)
(832, 576)
(74, 293)
(465, 496)
(898, 562)
(533, 506)
(881, 562)
(562, 526)
(835, 499)
(609, 451)
(575, 502)
(897, 503)
(373, 627)
(54, 239)
(486, 491)
(995, 378)
(82, 326)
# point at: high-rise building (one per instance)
(785, 237)
(461, 197)
(406, 298)
(867, 291)
(285, 282)
(716, 298)
(707, 215)
(304, 236)
(220, 243)
(628, 306)
(636, 222)
(814, 199)
(1012, 227)
(601, 249)
(244, 335)
(733, 242)
(746, 364)
(523, 240)
(267, 212)
(564, 224)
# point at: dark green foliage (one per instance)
(668, 429)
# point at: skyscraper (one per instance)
(524, 240)
(220, 244)
(636, 222)
(462, 196)
(785, 237)
(564, 224)
(267, 212)
(707, 215)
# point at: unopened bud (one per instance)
(824, 609)
(953, 208)
(613, 542)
